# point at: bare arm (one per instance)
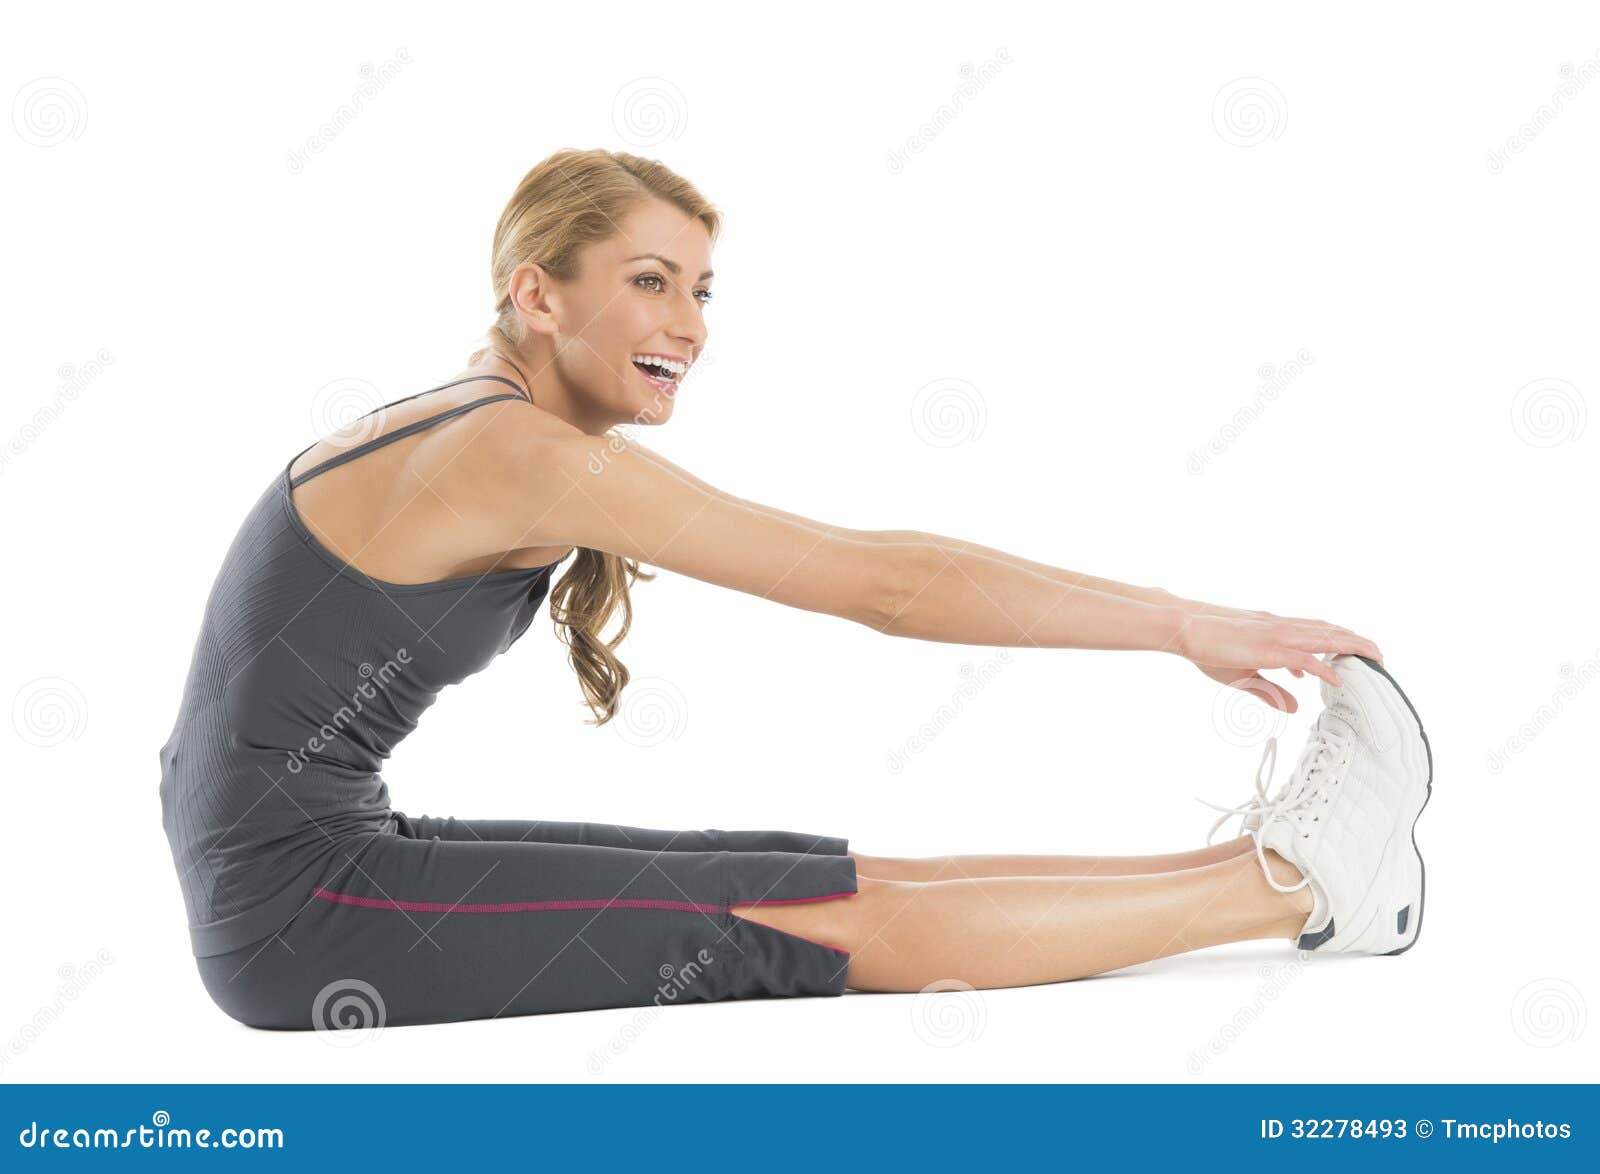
(555, 486)
(549, 484)
(951, 546)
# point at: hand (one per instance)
(1196, 607)
(1230, 646)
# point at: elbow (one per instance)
(899, 575)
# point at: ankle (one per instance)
(1300, 902)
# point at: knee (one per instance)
(845, 923)
(263, 1005)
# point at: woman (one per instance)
(402, 555)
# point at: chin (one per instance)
(652, 410)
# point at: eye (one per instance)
(658, 284)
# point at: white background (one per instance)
(1118, 244)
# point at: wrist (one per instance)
(1163, 598)
(1171, 628)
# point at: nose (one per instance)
(688, 323)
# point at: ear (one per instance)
(533, 294)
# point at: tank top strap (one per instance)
(411, 429)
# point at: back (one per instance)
(305, 676)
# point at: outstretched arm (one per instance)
(553, 485)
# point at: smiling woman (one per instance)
(428, 547)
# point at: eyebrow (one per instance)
(672, 266)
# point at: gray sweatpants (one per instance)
(434, 920)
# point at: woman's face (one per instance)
(633, 319)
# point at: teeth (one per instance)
(672, 365)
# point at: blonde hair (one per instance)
(569, 201)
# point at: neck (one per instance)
(539, 376)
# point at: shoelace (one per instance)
(1323, 750)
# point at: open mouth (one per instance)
(663, 372)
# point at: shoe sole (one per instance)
(1422, 899)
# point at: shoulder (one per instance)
(528, 442)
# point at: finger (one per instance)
(1322, 628)
(1335, 642)
(1362, 645)
(1269, 692)
(1316, 665)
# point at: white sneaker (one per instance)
(1347, 816)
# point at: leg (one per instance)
(935, 868)
(613, 835)
(1016, 931)
(927, 868)
(403, 930)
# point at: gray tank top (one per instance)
(305, 676)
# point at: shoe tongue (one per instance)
(1342, 718)
(1278, 836)
(1339, 710)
